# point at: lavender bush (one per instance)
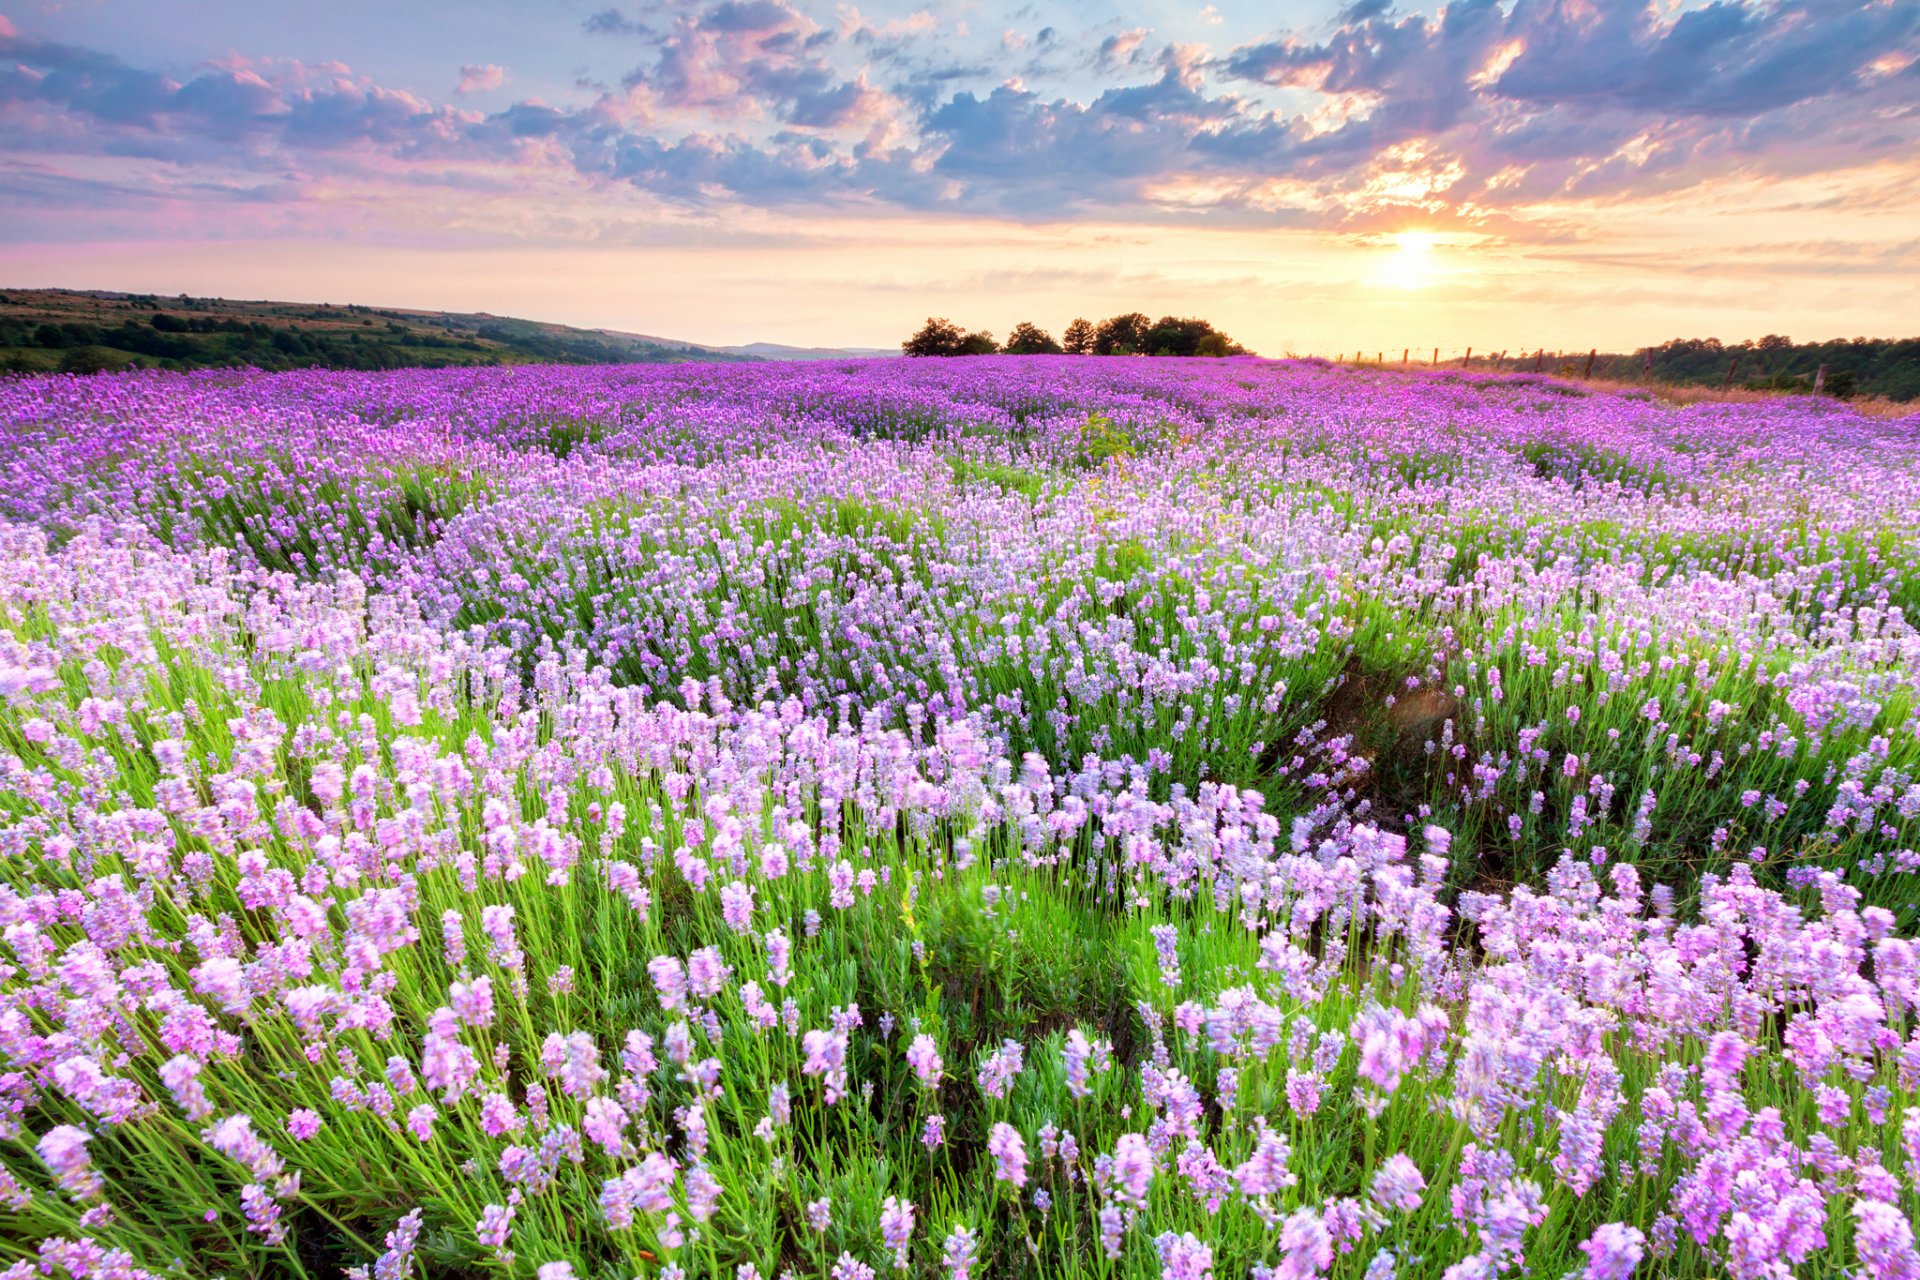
(999, 817)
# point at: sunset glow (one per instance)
(782, 170)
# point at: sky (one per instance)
(1495, 174)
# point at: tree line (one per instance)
(1885, 367)
(1130, 334)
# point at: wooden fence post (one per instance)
(1404, 354)
(1467, 359)
(1590, 355)
(1731, 370)
(1820, 380)
(1539, 356)
(1436, 356)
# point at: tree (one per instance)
(1122, 335)
(977, 343)
(1079, 337)
(937, 337)
(1215, 343)
(85, 360)
(1176, 336)
(1030, 340)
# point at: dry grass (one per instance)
(1870, 406)
(1665, 393)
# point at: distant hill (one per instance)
(776, 351)
(48, 330)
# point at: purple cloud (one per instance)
(1482, 107)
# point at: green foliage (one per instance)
(1859, 366)
(1122, 335)
(1188, 336)
(202, 333)
(939, 336)
(1030, 340)
(87, 359)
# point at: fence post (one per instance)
(1820, 380)
(1467, 359)
(1436, 356)
(1538, 356)
(1731, 369)
(1646, 369)
(1590, 355)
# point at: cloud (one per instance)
(613, 22)
(1472, 115)
(1122, 49)
(1569, 97)
(480, 79)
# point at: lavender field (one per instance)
(975, 818)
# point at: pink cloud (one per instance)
(482, 78)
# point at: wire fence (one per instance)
(1567, 364)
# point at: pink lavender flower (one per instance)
(574, 1060)
(779, 958)
(180, 1074)
(1133, 1168)
(959, 1253)
(896, 1228)
(1184, 1257)
(851, 1268)
(736, 906)
(1266, 1170)
(669, 980)
(1614, 1251)
(235, 1139)
(63, 1149)
(396, 1262)
(1009, 1154)
(924, 1058)
(1398, 1183)
(703, 1193)
(1166, 942)
(1883, 1237)
(645, 1188)
(495, 1229)
(1306, 1246)
(707, 973)
(997, 1073)
(826, 1057)
(472, 1001)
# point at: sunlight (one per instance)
(1412, 264)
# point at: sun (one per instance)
(1411, 265)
